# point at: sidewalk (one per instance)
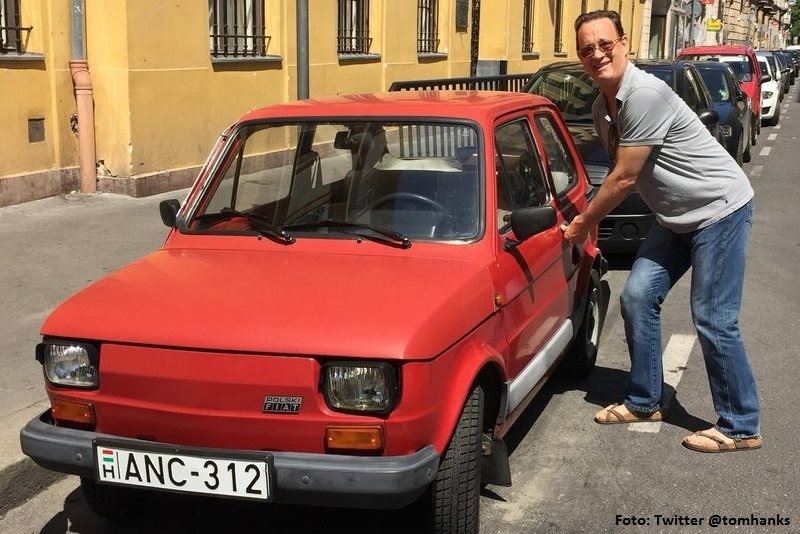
(52, 248)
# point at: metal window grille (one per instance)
(427, 27)
(353, 27)
(10, 28)
(237, 28)
(558, 42)
(527, 27)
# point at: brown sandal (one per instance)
(617, 413)
(721, 443)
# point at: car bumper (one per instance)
(299, 478)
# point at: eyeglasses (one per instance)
(605, 47)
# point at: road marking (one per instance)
(765, 151)
(772, 137)
(679, 347)
(756, 171)
(776, 127)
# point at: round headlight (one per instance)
(69, 364)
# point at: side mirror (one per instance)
(527, 222)
(764, 78)
(169, 212)
(708, 117)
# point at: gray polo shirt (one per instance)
(689, 181)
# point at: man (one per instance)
(703, 203)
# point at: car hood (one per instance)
(384, 306)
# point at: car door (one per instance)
(534, 273)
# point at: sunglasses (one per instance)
(605, 47)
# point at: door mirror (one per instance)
(708, 117)
(169, 212)
(527, 222)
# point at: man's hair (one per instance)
(600, 14)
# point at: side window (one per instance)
(559, 161)
(692, 93)
(237, 28)
(520, 183)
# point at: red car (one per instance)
(743, 61)
(355, 302)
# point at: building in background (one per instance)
(132, 95)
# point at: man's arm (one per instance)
(630, 161)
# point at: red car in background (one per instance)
(354, 304)
(744, 63)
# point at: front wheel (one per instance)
(456, 489)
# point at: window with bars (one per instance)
(237, 28)
(11, 38)
(558, 37)
(427, 27)
(353, 27)
(527, 26)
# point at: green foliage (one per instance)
(794, 29)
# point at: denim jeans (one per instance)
(716, 255)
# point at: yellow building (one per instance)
(129, 96)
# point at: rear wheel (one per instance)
(582, 356)
(456, 489)
(112, 502)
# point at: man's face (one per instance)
(603, 66)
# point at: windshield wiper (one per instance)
(259, 224)
(395, 237)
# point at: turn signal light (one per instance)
(71, 412)
(354, 438)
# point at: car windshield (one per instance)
(739, 63)
(572, 91)
(664, 74)
(382, 180)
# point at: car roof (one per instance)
(446, 104)
(717, 49)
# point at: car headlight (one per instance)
(767, 94)
(360, 387)
(68, 363)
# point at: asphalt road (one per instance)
(570, 475)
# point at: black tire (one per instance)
(747, 155)
(456, 490)
(582, 355)
(113, 502)
(739, 152)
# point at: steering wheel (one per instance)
(414, 197)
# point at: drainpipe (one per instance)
(82, 83)
(302, 49)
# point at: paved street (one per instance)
(570, 475)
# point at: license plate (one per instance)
(209, 472)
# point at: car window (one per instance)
(520, 183)
(692, 92)
(573, 92)
(717, 83)
(559, 160)
(418, 179)
(739, 63)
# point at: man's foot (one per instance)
(616, 414)
(712, 440)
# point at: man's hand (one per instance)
(576, 231)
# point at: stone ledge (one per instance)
(145, 185)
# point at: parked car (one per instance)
(568, 86)
(355, 302)
(573, 91)
(684, 78)
(770, 95)
(775, 71)
(788, 63)
(732, 105)
(744, 63)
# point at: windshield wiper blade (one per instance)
(397, 237)
(259, 224)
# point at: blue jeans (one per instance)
(716, 255)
